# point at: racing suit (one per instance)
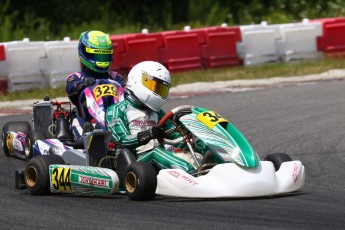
(75, 84)
(129, 117)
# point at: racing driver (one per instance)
(95, 52)
(133, 122)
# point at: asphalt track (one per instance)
(306, 121)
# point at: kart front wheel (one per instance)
(140, 181)
(31, 138)
(277, 159)
(16, 126)
(36, 174)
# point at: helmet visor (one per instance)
(100, 56)
(156, 85)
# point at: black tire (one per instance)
(4, 144)
(140, 181)
(36, 174)
(31, 138)
(277, 159)
(16, 126)
(124, 159)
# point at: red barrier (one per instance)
(3, 80)
(332, 42)
(140, 47)
(2, 53)
(181, 50)
(3, 86)
(119, 47)
(220, 47)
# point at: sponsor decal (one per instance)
(143, 123)
(187, 178)
(295, 172)
(174, 174)
(93, 181)
(17, 145)
(98, 51)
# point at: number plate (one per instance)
(210, 118)
(104, 90)
(61, 179)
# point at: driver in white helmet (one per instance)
(133, 122)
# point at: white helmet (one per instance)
(149, 81)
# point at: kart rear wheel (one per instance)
(4, 144)
(31, 138)
(277, 159)
(140, 181)
(36, 174)
(16, 126)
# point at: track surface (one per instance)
(305, 121)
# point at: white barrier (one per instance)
(259, 44)
(299, 41)
(62, 59)
(23, 66)
(37, 65)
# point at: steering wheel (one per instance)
(174, 114)
(180, 110)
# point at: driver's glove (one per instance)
(120, 80)
(88, 81)
(145, 136)
(85, 82)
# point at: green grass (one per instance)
(259, 72)
(217, 74)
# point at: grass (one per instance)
(260, 72)
(217, 74)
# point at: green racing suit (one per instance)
(129, 117)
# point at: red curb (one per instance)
(9, 112)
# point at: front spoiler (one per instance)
(230, 180)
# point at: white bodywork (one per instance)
(230, 180)
(46, 144)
